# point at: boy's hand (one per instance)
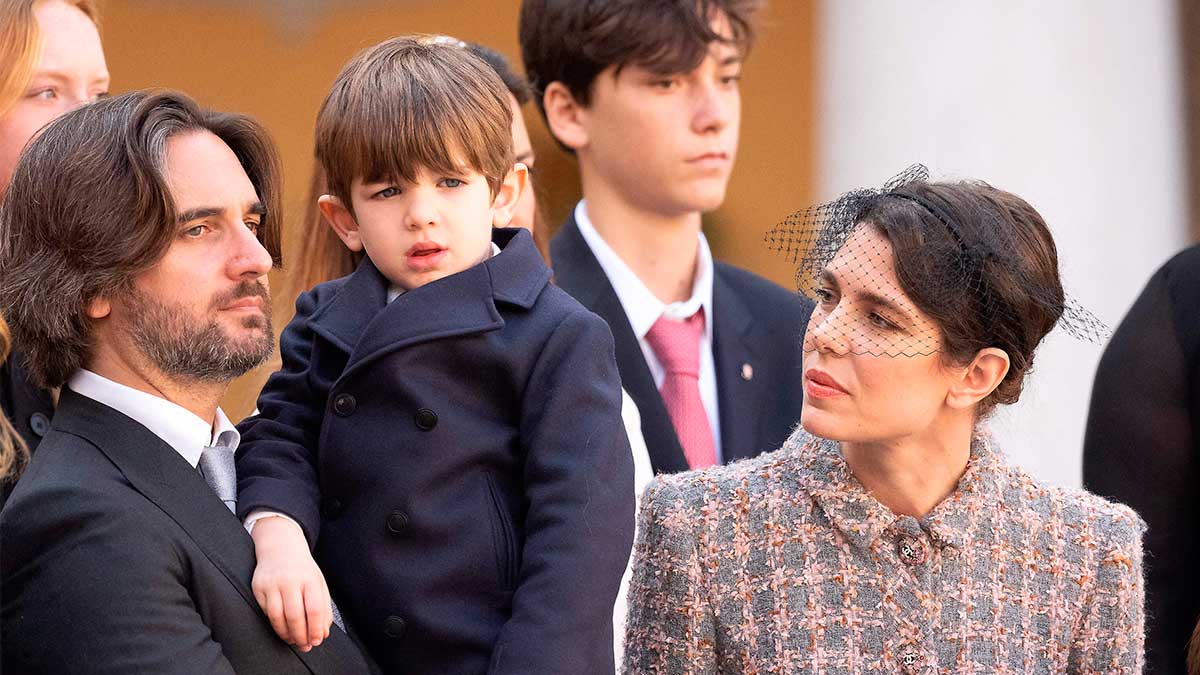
(288, 584)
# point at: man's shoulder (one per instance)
(761, 295)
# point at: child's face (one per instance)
(419, 232)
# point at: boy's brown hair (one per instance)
(572, 41)
(413, 102)
(89, 209)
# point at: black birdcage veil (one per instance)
(845, 252)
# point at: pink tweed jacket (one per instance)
(785, 564)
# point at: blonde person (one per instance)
(890, 534)
(13, 451)
(51, 61)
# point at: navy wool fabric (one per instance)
(119, 558)
(758, 328)
(458, 460)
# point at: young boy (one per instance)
(446, 426)
(645, 94)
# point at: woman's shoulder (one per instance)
(1110, 524)
(739, 480)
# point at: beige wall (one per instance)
(275, 60)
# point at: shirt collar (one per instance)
(395, 291)
(641, 306)
(175, 425)
(862, 518)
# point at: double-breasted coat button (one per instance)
(394, 627)
(912, 550)
(397, 521)
(39, 423)
(331, 507)
(344, 405)
(426, 419)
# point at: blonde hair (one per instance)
(13, 451)
(21, 45)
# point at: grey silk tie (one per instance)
(216, 465)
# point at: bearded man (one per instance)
(135, 242)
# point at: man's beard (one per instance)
(182, 346)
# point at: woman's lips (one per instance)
(819, 384)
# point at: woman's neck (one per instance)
(913, 474)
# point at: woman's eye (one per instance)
(45, 94)
(879, 321)
(824, 295)
(387, 193)
(451, 182)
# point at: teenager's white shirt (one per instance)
(643, 309)
(177, 426)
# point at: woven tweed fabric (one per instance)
(785, 564)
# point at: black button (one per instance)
(39, 423)
(331, 507)
(344, 405)
(397, 521)
(426, 419)
(393, 627)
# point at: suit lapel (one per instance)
(156, 470)
(737, 351)
(577, 271)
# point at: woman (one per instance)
(52, 62)
(889, 535)
(13, 451)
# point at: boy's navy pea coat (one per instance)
(457, 460)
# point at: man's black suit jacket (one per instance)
(758, 328)
(118, 558)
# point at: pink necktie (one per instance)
(677, 346)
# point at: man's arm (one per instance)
(92, 586)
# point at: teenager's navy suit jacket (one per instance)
(458, 459)
(758, 329)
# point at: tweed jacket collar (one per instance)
(862, 518)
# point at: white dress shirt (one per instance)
(177, 426)
(643, 309)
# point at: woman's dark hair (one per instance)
(89, 209)
(981, 263)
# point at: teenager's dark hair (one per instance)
(572, 41)
(1015, 296)
(88, 209)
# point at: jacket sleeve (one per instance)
(71, 558)
(1111, 640)
(277, 454)
(579, 493)
(1142, 446)
(670, 628)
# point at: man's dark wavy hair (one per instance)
(88, 209)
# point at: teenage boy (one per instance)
(646, 96)
(446, 428)
(138, 234)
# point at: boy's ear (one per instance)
(979, 379)
(341, 220)
(511, 189)
(565, 116)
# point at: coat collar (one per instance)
(359, 320)
(862, 518)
